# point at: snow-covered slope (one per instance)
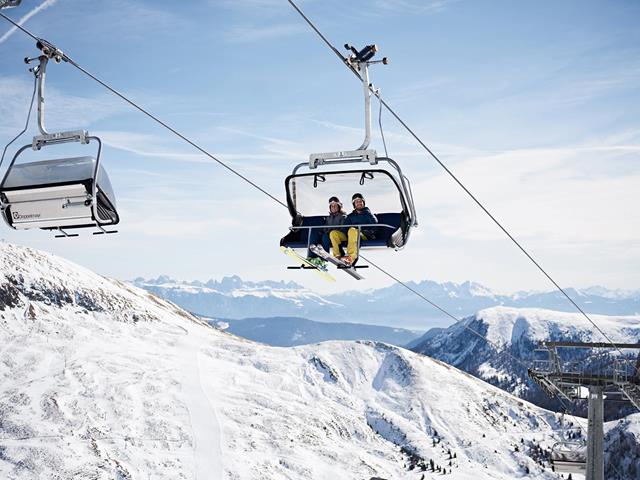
(517, 331)
(101, 380)
(395, 305)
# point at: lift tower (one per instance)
(616, 378)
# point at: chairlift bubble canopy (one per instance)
(386, 191)
(569, 457)
(58, 194)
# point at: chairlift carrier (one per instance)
(363, 164)
(9, 3)
(569, 457)
(57, 194)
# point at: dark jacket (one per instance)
(363, 217)
(334, 220)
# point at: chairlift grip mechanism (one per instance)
(50, 51)
(360, 61)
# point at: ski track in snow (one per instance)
(204, 422)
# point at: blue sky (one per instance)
(535, 106)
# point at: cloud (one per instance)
(63, 111)
(248, 32)
(546, 196)
(25, 18)
(411, 6)
(157, 147)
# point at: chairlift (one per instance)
(61, 193)
(569, 457)
(9, 3)
(342, 173)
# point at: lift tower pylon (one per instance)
(618, 378)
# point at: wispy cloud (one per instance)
(412, 6)
(154, 146)
(63, 111)
(544, 196)
(35, 11)
(249, 32)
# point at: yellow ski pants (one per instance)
(337, 237)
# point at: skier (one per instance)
(361, 215)
(336, 217)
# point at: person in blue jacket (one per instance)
(361, 215)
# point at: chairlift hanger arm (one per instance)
(50, 51)
(359, 61)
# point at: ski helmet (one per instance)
(335, 200)
(357, 195)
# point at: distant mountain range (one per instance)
(395, 306)
(293, 331)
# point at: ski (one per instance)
(350, 269)
(305, 264)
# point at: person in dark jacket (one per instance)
(361, 215)
(335, 218)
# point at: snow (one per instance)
(508, 324)
(103, 380)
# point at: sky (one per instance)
(535, 106)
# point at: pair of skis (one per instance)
(321, 252)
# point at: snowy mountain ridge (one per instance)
(517, 331)
(101, 380)
(507, 325)
(233, 298)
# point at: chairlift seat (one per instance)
(307, 194)
(57, 194)
(299, 238)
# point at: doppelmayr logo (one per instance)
(31, 216)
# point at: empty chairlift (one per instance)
(569, 457)
(57, 194)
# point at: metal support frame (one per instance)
(40, 72)
(359, 61)
(555, 379)
(595, 435)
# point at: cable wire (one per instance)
(26, 125)
(384, 143)
(454, 177)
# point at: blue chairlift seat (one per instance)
(299, 238)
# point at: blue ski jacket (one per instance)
(363, 217)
